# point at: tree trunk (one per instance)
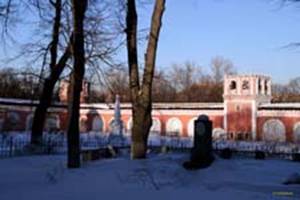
(49, 84)
(142, 122)
(141, 95)
(46, 97)
(41, 112)
(79, 8)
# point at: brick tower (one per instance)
(64, 91)
(242, 96)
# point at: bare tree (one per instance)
(18, 83)
(141, 92)
(56, 69)
(220, 67)
(6, 9)
(294, 86)
(53, 57)
(289, 92)
(118, 84)
(79, 8)
(162, 89)
(184, 75)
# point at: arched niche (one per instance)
(174, 127)
(97, 124)
(274, 130)
(156, 126)
(129, 124)
(83, 124)
(218, 133)
(12, 121)
(191, 127)
(29, 121)
(296, 132)
(52, 123)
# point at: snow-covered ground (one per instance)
(161, 176)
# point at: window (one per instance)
(259, 86)
(233, 85)
(266, 86)
(245, 85)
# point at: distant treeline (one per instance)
(185, 82)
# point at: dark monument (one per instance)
(201, 154)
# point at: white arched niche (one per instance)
(218, 133)
(97, 124)
(174, 126)
(129, 124)
(156, 126)
(52, 123)
(296, 132)
(274, 130)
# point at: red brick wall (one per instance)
(239, 117)
(288, 122)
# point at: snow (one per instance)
(161, 176)
(280, 105)
(122, 105)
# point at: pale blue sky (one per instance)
(251, 33)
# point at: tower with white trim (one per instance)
(242, 96)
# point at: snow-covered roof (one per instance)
(9, 101)
(210, 106)
(280, 106)
(188, 105)
(160, 105)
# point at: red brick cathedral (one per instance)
(246, 114)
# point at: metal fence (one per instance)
(19, 145)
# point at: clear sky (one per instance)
(251, 33)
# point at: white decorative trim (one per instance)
(238, 100)
(188, 112)
(278, 113)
